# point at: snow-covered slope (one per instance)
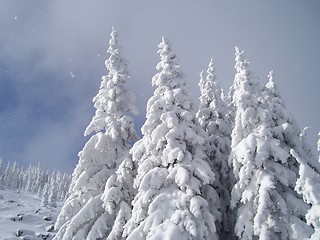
(22, 217)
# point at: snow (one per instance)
(175, 182)
(172, 165)
(265, 198)
(23, 212)
(84, 214)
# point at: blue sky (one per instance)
(52, 59)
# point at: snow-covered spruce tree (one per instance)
(286, 128)
(29, 179)
(21, 179)
(65, 186)
(213, 118)
(52, 197)
(11, 176)
(264, 195)
(1, 175)
(172, 165)
(45, 196)
(7, 176)
(82, 216)
(308, 185)
(230, 101)
(41, 179)
(62, 182)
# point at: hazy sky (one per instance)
(52, 59)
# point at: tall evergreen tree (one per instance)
(82, 216)
(264, 194)
(286, 128)
(214, 119)
(172, 167)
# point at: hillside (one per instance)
(22, 217)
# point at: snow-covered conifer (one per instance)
(53, 191)
(62, 184)
(230, 101)
(21, 179)
(308, 185)
(1, 175)
(7, 176)
(264, 194)
(28, 177)
(11, 176)
(318, 145)
(45, 196)
(172, 166)
(65, 185)
(82, 215)
(213, 118)
(41, 179)
(286, 128)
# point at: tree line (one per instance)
(51, 188)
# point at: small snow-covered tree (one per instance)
(1, 175)
(318, 144)
(213, 118)
(45, 196)
(41, 179)
(83, 216)
(172, 166)
(62, 183)
(65, 185)
(11, 176)
(7, 176)
(28, 179)
(52, 196)
(264, 195)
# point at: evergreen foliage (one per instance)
(213, 117)
(238, 168)
(172, 165)
(35, 180)
(1, 176)
(264, 195)
(83, 216)
(308, 185)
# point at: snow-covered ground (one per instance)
(22, 217)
